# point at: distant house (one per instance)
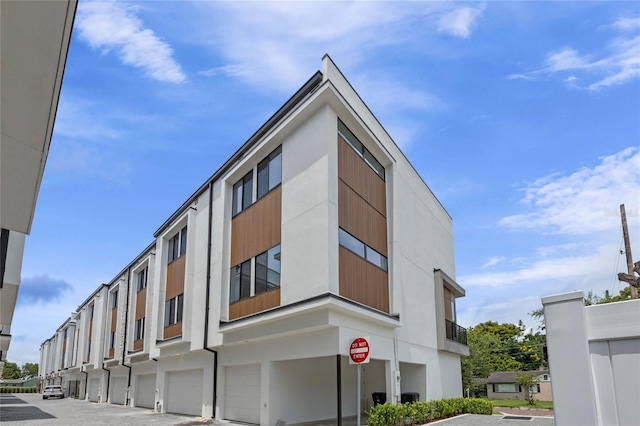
(504, 385)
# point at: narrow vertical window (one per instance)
(270, 172)
(142, 278)
(183, 241)
(243, 193)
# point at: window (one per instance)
(177, 245)
(90, 313)
(142, 278)
(242, 193)
(270, 172)
(173, 311)
(240, 285)
(534, 389)
(114, 299)
(356, 246)
(268, 270)
(139, 332)
(112, 341)
(360, 149)
(505, 387)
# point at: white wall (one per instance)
(594, 360)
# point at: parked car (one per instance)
(53, 391)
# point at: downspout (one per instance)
(108, 380)
(205, 342)
(126, 328)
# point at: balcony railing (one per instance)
(455, 332)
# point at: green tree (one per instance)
(29, 369)
(11, 371)
(527, 381)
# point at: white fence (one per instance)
(594, 360)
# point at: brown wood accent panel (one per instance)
(172, 331)
(360, 219)
(363, 282)
(141, 303)
(90, 333)
(138, 344)
(447, 304)
(252, 305)
(356, 173)
(111, 353)
(114, 318)
(257, 228)
(175, 277)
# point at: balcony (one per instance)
(455, 332)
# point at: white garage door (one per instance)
(94, 389)
(145, 393)
(184, 392)
(242, 393)
(118, 390)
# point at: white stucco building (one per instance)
(34, 44)
(315, 232)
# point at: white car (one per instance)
(53, 391)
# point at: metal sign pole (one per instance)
(358, 396)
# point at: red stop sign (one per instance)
(359, 351)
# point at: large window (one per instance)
(267, 275)
(173, 310)
(360, 149)
(269, 175)
(142, 278)
(240, 287)
(506, 387)
(242, 193)
(177, 245)
(270, 172)
(268, 270)
(356, 246)
(114, 299)
(139, 331)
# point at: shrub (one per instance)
(421, 412)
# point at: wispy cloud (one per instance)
(42, 289)
(115, 26)
(493, 261)
(617, 63)
(459, 21)
(579, 203)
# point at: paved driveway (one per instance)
(24, 409)
(30, 409)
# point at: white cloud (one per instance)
(114, 26)
(458, 22)
(493, 261)
(615, 64)
(579, 203)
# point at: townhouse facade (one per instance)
(315, 232)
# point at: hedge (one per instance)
(17, 389)
(421, 412)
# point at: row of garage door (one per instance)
(184, 392)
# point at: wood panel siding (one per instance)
(358, 175)
(257, 228)
(138, 344)
(363, 282)
(175, 278)
(360, 219)
(448, 314)
(172, 331)
(141, 302)
(252, 305)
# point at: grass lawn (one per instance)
(512, 403)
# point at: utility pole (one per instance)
(630, 277)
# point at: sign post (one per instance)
(359, 354)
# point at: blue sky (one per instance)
(522, 117)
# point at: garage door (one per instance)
(94, 389)
(145, 391)
(118, 390)
(184, 392)
(242, 393)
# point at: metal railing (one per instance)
(455, 332)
